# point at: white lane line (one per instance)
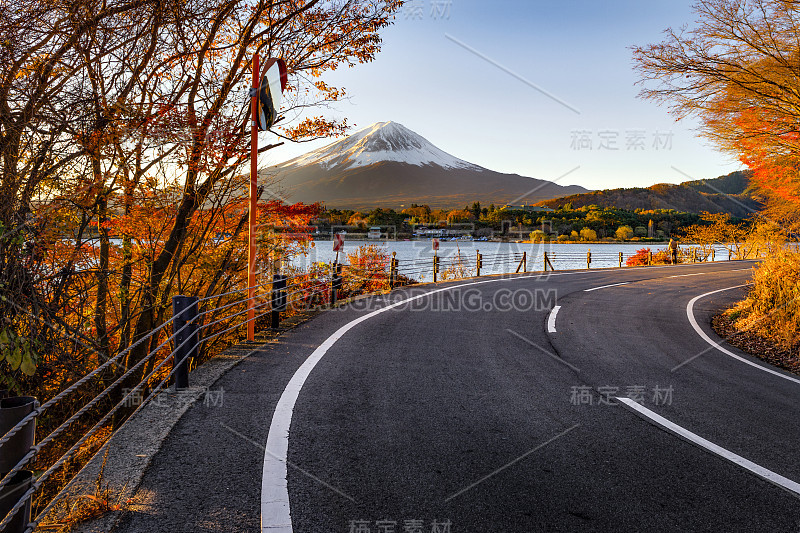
(551, 319)
(714, 272)
(699, 330)
(758, 470)
(606, 286)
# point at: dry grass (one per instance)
(77, 509)
(772, 308)
(458, 269)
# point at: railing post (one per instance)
(278, 302)
(393, 271)
(12, 411)
(548, 262)
(620, 259)
(588, 259)
(523, 264)
(478, 263)
(185, 310)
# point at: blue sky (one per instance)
(576, 51)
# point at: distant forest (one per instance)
(727, 194)
(657, 212)
(604, 221)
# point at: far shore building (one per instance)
(528, 208)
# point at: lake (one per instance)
(416, 257)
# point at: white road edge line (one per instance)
(551, 319)
(714, 272)
(699, 330)
(275, 510)
(606, 286)
(764, 473)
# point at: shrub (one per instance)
(660, 257)
(367, 271)
(539, 236)
(639, 258)
(772, 308)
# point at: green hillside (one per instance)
(725, 194)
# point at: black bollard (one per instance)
(336, 282)
(12, 411)
(185, 310)
(278, 299)
(9, 496)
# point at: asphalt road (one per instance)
(461, 411)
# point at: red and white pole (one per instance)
(253, 215)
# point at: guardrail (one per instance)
(181, 339)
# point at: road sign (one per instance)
(273, 83)
(338, 242)
(435, 244)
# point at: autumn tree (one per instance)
(129, 118)
(743, 240)
(124, 130)
(53, 123)
(588, 234)
(737, 70)
(624, 233)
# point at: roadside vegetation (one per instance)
(735, 70)
(772, 307)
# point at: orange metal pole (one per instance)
(253, 215)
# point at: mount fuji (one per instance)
(387, 165)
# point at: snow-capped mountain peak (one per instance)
(380, 142)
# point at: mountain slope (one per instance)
(726, 194)
(388, 165)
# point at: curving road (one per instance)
(576, 401)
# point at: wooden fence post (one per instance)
(523, 264)
(393, 271)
